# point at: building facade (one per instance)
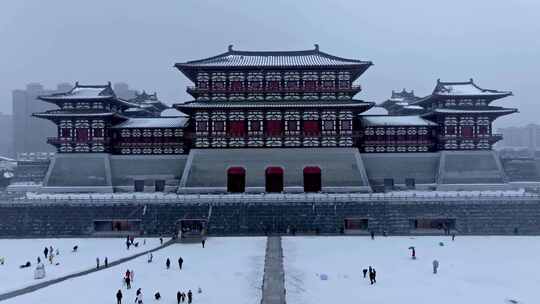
(271, 122)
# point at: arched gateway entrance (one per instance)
(236, 180)
(312, 179)
(274, 179)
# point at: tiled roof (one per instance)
(234, 58)
(387, 120)
(275, 104)
(60, 113)
(468, 88)
(487, 110)
(84, 92)
(154, 122)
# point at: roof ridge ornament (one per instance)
(316, 47)
(230, 48)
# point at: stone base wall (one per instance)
(63, 218)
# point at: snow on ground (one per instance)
(494, 269)
(266, 196)
(18, 251)
(228, 270)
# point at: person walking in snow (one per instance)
(139, 298)
(435, 266)
(364, 271)
(203, 241)
(180, 262)
(46, 252)
(128, 282)
(413, 252)
(453, 236)
(374, 276)
(178, 297)
(128, 244)
(128, 274)
(150, 258)
(189, 297)
(106, 262)
(372, 235)
(97, 263)
(138, 292)
(119, 297)
(161, 241)
(168, 263)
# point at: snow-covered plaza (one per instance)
(318, 269)
(228, 269)
(16, 252)
(483, 269)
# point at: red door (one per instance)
(236, 180)
(312, 179)
(274, 179)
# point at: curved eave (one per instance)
(488, 95)
(495, 112)
(190, 70)
(54, 116)
(192, 106)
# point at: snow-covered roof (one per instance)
(60, 113)
(154, 122)
(468, 88)
(387, 120)
(273, 58)
(84, 92)
(495, 110)
(275, 104)
(413, 107)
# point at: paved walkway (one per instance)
(273, 291)
(32, 288)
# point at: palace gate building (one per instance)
(274, 121)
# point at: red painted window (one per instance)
(64, 132)
(82, 135)
(311, 128)
(310, 85)
(467, 132)
(483, 130)
(236, 85)
(273, 128)
(237, 128)
(450, 130)
(292, 84)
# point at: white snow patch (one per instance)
(490, 269)
(18, 251)
(228, 270)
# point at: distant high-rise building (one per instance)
(6, 135)
(526, 137)
(28, 131)
(123, 91)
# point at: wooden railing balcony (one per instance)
(59, 140)
(398, 142)
(317, 89)
(490, 137)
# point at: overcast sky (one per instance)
(412, 43)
